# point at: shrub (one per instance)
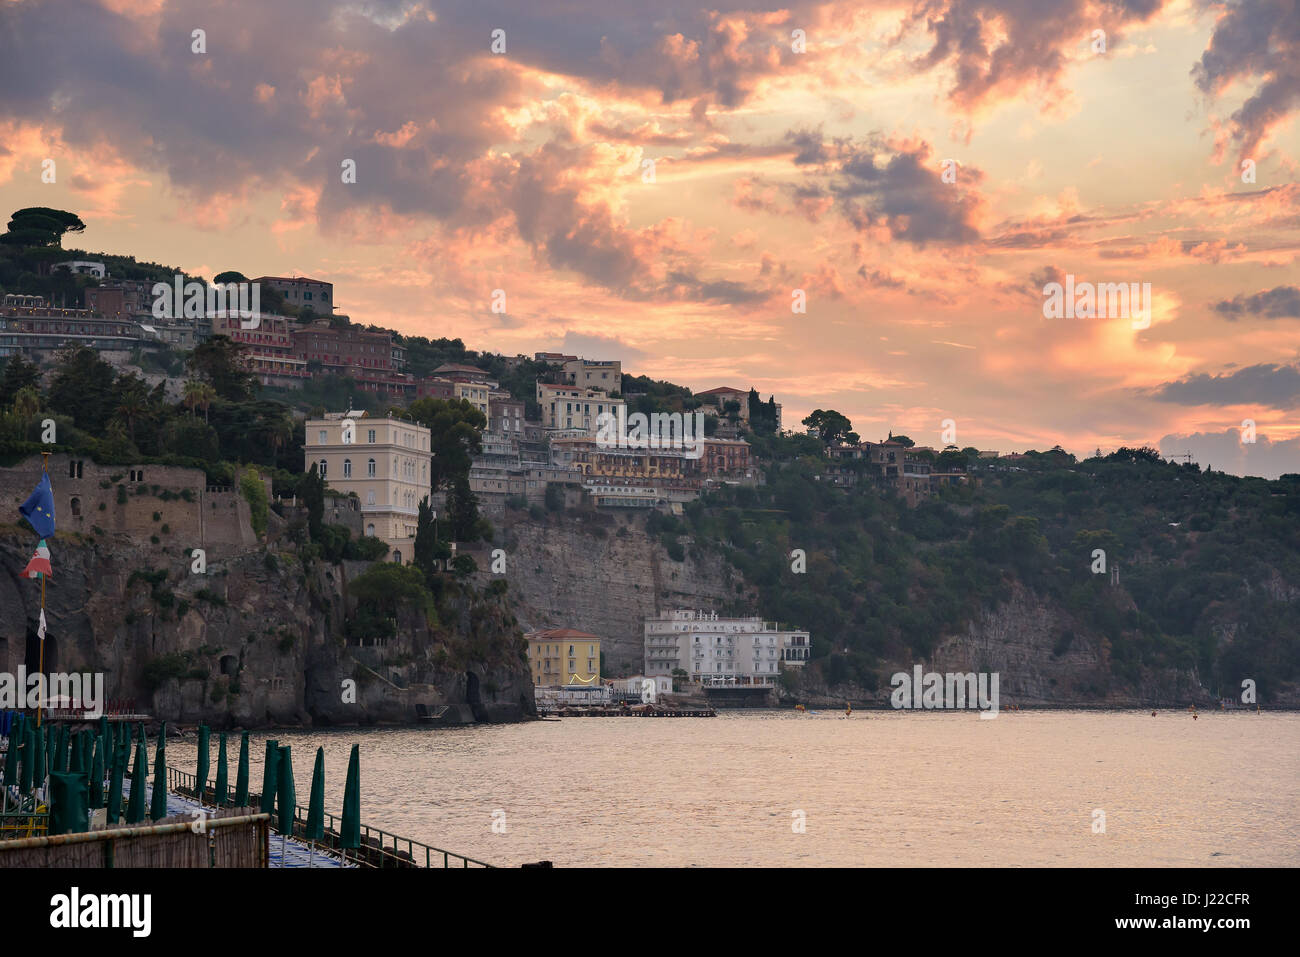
(160, 669)
(251, 487)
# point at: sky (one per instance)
(850, 205)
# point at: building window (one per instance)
(370, 468)
(323, 437)
(347, 468)
(370, 497)
(370, 436)
(323, 466)
(370, 530)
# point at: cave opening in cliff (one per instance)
(32, 657)
(472, 697)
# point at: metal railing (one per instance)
(379, 848)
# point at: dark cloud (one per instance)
(899, 186)
(1266, 385)
(1281, 302)
(1254, 39)
(1036, 37)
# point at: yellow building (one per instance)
(563, 656)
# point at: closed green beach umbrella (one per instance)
(135, 806)
(205, 754)
(28, 769)
(158, 800)
(97, 776)
(350, 836)
(241, 775)
(75, 752)
(69, 806)
(57, 748)
(269, 776)
(121, 752)
(316, 803)
(222, 787)
(285, 797)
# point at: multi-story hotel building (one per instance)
(568, 407)
(29, 325)
(710, 649)
(373, 359)
(268, 348)
(562, 656)
(385, 461)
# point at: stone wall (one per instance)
(600, 572)
(171, 503)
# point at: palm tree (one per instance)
(129, 410)
(190, 398)
(198, 394)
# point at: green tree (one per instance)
(18, 374)
(832, 427)
(426, 547)
(456, 429)
(41, 226)
(312, 491)
(253, 489)
(82, 387)
(220, 361)
(463, 519)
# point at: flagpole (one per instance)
(45, 470)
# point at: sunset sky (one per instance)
(774, 170)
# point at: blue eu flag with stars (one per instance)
(39, 508)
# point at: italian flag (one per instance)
(40, 563)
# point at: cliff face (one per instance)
(258, 640)
(1021, 640)
(602, 573)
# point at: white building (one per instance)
(568, 407)
(82, 267)
(710, 649)
(385, 461)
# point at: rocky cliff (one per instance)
(257, 640)
(601, 572)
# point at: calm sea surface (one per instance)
(879, 788)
